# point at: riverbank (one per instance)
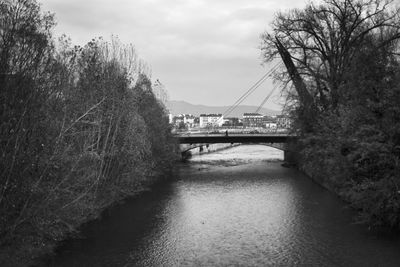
(81, 130)
(33, 245)
(328, 162)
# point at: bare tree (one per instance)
(319, 42)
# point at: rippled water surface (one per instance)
(232, 207)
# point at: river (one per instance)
(233, 207)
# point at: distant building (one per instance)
(270, 125)
(232, 122)
(283, 122)
(211, 120)
(188, 120)
(269, 122)
(253, 120)
(269, 119)
(178, 121)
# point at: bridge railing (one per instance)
(232, 133)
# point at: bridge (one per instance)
(233, 138)
(275, 140)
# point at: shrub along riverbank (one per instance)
(342, 75)
(80, 129)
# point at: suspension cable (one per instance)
(266, 99)
(251, 90)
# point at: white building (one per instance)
(271, 125)
(253, 120)
(211, 120)
(188, 119)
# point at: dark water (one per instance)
(235, 207)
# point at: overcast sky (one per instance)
(203, 51)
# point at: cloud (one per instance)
(197, 47)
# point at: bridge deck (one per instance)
(232, 138)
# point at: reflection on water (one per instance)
(232, 207)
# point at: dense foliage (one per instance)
(80, 127)
(346, 53)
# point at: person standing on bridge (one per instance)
(226, 133)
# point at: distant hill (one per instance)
(182, 107)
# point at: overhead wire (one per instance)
(266, 99)
(246, 94)
(250, 90)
